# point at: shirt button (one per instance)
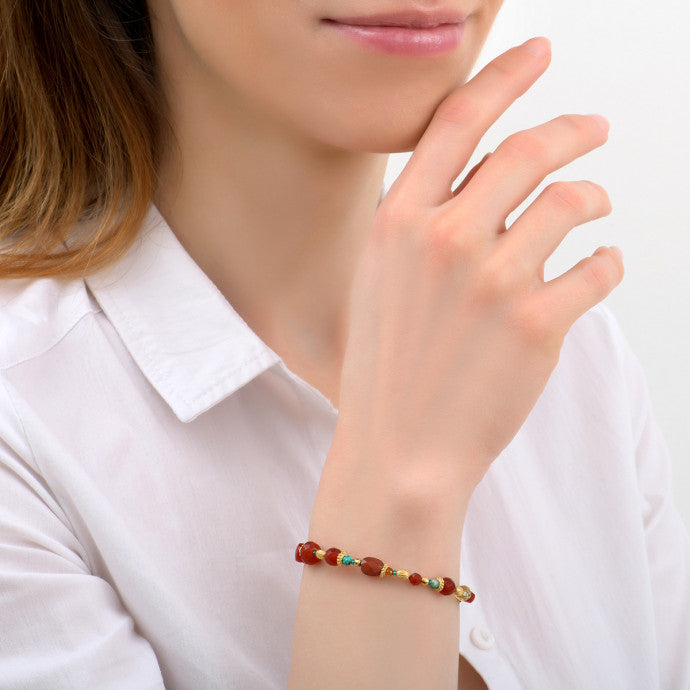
(482, 638)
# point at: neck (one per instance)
(275, 220)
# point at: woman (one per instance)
(219, 341)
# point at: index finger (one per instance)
(462, 119)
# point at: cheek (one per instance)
(248, 50)
(224, 37)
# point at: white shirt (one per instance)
(158, 466)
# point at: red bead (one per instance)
(371, 566)
(415, 579)
(448, 586)
(298, 558)
(332, 556)
(307, 552)
(471, 599)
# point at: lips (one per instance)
(410, 33)
(408, 19)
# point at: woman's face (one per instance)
(280, 60)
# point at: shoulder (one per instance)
(35, 315)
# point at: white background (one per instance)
(630, 62)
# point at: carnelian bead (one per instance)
(448, 586)
(471, 599)
(389, 572)
(307, 552)
(415, 579)
(371, 566)
(298, 558)
(331, 556)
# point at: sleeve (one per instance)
(61, 627)
(666, 537)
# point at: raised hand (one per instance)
(453, 331)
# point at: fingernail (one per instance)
(538, 46)
(601, 121)
(617, 250)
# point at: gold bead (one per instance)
(340, 557)
(462, 593)
(358, 562)
(320, 554)
(425, 580)
(440, 584)
(403, 575)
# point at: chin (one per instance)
(374, 127)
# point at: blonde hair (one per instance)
(79, 131)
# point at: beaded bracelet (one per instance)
(311, 553)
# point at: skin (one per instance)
(261, 93)
(429, 283)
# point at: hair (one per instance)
(80, 124)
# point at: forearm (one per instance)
(352, 629)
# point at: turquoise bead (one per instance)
(434, 583)
(348, 560)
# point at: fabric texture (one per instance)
(159, 463)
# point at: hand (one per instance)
(453, 332)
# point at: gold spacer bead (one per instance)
(321, 554)
(425, 580)
(340, 557)
(440, 584)
(358, 562)
(403, 574)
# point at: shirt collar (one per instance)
(186, 338)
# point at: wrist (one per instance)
(401, 514)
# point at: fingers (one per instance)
(540, 229)
(462, 119)
(587, 283)
(523, 160)
(470, 175)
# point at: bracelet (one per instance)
(311, 553)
